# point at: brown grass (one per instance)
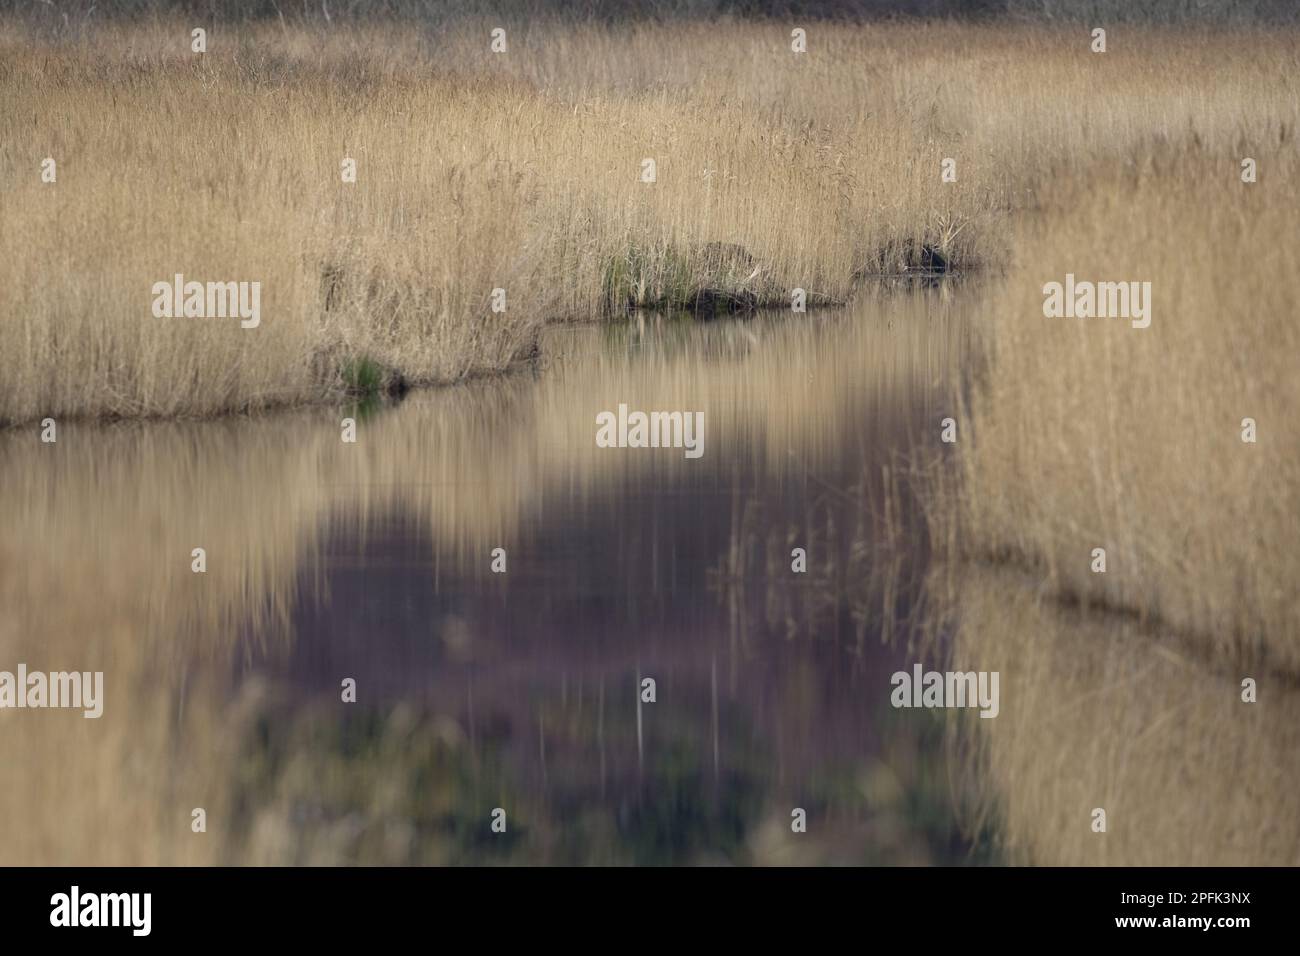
(1098, 712)
(521, 171)
(1123, 690)
(1088, 433)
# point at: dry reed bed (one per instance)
(521, 171)
(1089, 433)
(1102, 713)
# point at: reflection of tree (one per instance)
(326, 784)
(329, 786)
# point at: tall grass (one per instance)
(1123, 690)
(1088, 433)
(1100, 712)
(521, 171)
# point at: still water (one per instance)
(522, 691)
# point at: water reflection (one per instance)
(477, 690)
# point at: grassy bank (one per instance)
(522, 171)
(1123, 689)
(1100, 712)
(1090, 433)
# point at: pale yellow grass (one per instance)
(1099, 713)
(1088, 433)
(522, 171)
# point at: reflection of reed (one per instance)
(842, 539)
(124, 506)
(95, 563)
(95, 575)
(1098, 713)
(865, 535)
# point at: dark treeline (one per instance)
(65, 13)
